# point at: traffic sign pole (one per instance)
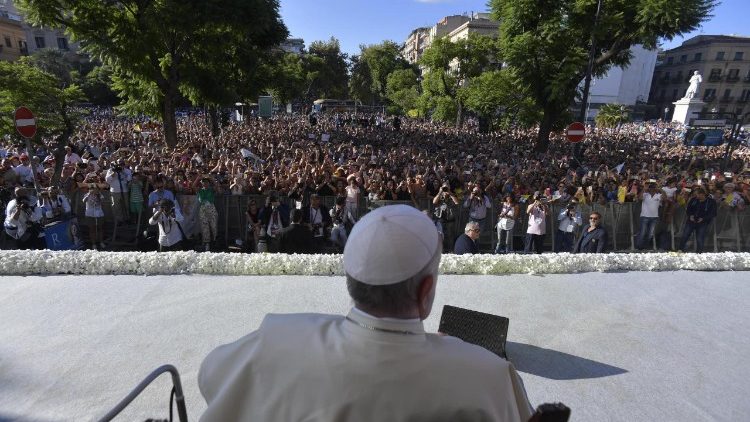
(26, 126)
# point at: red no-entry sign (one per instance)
(576, 132)
(25, 122)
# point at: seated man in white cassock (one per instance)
(375, 364)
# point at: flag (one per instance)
(619, 168)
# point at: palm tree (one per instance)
(611, 115)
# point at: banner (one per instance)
(63, 235)
(704, 137)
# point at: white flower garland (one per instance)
(16, 262)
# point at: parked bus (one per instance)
(326, 105)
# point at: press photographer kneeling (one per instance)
(22, 221)
(170, 231)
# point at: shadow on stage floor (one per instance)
(556, 365)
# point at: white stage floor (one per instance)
(614, 347)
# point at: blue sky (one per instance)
(356, 22)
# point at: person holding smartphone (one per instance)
(537, 211)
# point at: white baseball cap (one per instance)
(390, 245)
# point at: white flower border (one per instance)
(16, 262)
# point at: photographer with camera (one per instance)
(537, 228)
(342, 220)
(568, 221)
(168, 218)
(55, 206)
(443, 212)
(22, 220)
(93, 200)
(273, 217)
(509, 212)
(478, 204)
(118, 177)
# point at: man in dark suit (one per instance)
(317, 218)
(466, 243)
(296, 238)
(593, 238)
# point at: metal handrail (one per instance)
(179, 396)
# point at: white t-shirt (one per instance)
(650, 205)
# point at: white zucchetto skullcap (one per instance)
(390, 245)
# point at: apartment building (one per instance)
(724, 63)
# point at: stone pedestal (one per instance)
(686, 109)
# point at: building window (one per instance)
(39, 42)
(715, 75)
(720, 55)
(662, 94)
(745, 95)
(738, 111)
(8, 42)
(683, 58)
(709, 94)
(738, 55)
(23, 48)
(62, 43)
(670, 60)
(733, 75)
(698, 57)
(678, 76)
(674, 95)
(727, 93)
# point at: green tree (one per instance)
(382, 60)
(402, 89)
(611, 115)
(436, 99)
(327, 70)
(288, 78)
(456, 63)
(52, 104)
(497, 95)
(547, 42)
(156, 48)
(360, 82)
(97, 85)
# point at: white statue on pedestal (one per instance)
(695, 82)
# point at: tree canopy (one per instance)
(547, 42)
(158, 49)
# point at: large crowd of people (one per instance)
(292, 160)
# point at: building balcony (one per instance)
(714, 78)
(709, 98)
(677, 79)
(746, 79)
(733, 78)
(743, 100)
(726, 99)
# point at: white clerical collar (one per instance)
(396, 320)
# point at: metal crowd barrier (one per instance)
(730, 231)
